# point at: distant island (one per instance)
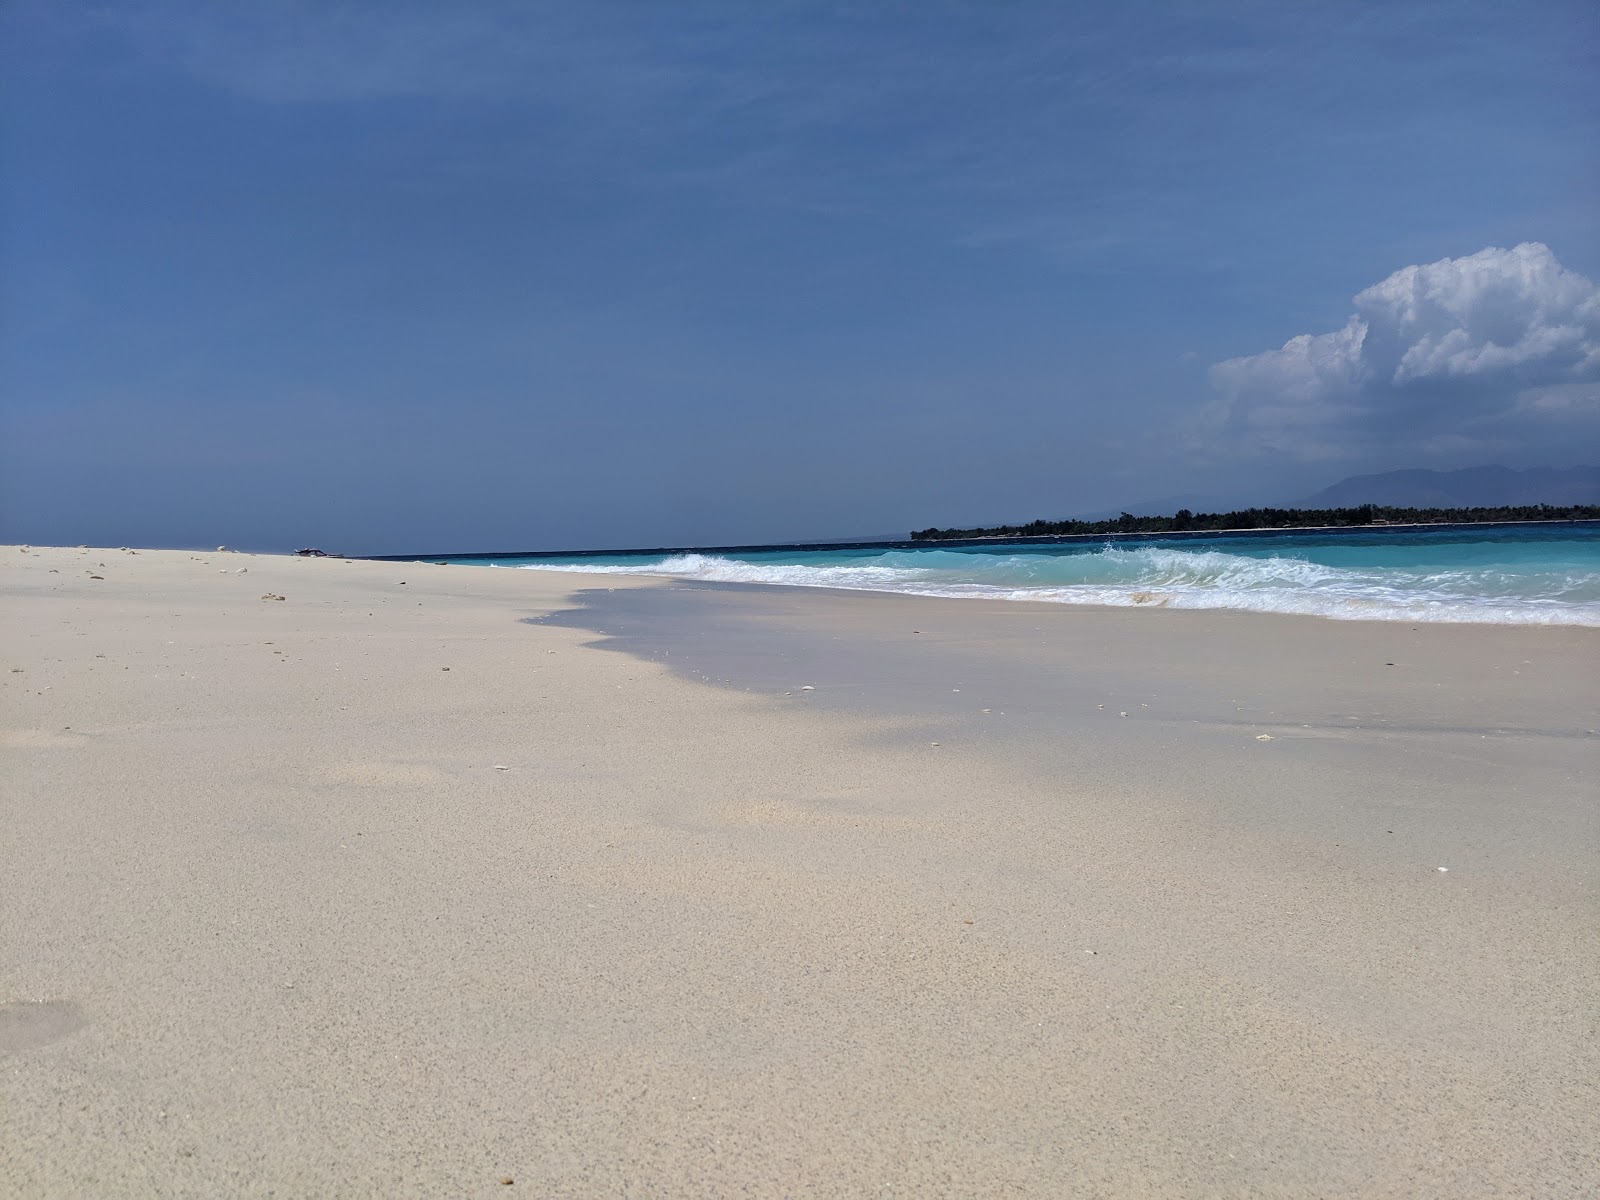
(1184, 521)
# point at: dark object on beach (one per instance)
(313, 552)
(272, 596)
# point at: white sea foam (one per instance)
(1166, 577)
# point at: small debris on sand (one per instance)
(271, 596)
(808, 688)
(97, 577)
(1264, 737)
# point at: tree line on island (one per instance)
(1184, 521)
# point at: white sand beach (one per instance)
(376, 889)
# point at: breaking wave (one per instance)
(1500, 584)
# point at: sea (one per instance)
(1539, 574)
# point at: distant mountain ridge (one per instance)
(1489, 486)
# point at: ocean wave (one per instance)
(1162, 577)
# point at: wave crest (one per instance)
(1165, 577)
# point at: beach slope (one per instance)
(369, 879)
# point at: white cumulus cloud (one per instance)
(1457, 353)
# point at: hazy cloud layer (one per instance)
(1491, 351)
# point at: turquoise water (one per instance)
(1548, 575)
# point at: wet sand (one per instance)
(273, 919)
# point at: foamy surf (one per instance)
(1495, 580)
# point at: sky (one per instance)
(402, 277)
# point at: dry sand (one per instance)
(275, 921)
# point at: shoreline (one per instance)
(1499, 574)
(1152, 603)
(766, 637)
(381, 888)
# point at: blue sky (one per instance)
(389, 277)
